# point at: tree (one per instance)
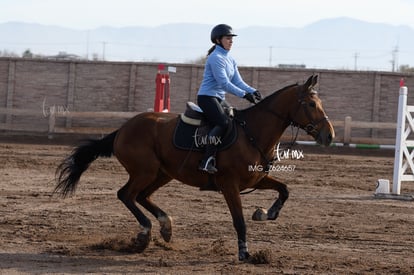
(27, 54)
(199, 61)
(7, 53)
(406, 69)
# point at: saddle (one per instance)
(191, 132)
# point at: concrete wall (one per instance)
(111, 86)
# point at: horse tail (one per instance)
(70, 170)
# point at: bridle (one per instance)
(310, 128)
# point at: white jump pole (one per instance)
(399, 141)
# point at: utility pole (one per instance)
(87, 44)
(394, 61)
(103, 50)
(270, 55)
(356, 55)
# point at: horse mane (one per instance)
(281, 90)
(272, 95)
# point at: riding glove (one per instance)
(250, 97)
(257, 95)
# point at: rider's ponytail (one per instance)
(211, 50)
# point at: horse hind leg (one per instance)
(162, 217)
(164, 220)
(127, 194)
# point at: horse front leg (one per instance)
(273, 212)
(232, 197)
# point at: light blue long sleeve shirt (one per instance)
(221, 75)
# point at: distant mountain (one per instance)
(340, 43)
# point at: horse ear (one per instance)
(309, 82)
(312, 80)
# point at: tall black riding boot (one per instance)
(208, 163)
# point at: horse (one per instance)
(143, 145)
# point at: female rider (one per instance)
(221, 76)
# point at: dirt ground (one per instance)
(331, 224)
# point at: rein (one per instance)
(252, 140)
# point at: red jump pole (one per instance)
(159, 90)
(162, 91)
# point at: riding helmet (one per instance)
(221, 30)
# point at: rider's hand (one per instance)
(250, 97)
(257, 95)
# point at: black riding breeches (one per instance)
(213, 109)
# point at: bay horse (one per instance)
(143, 145)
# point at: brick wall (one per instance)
(116, 86)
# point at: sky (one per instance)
(87, 15)
(90, 14)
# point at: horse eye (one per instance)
(312, 104)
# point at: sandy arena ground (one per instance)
(331, 224)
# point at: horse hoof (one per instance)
(142, 241)
(244, 256)
(166, 228)
(260, 215)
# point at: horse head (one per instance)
(310, 115)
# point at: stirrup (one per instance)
(209, 165)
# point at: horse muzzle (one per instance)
(325, 135)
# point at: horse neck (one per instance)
(267, 120)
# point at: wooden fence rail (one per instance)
(6, 123)
(85, 130)
(348, 125)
